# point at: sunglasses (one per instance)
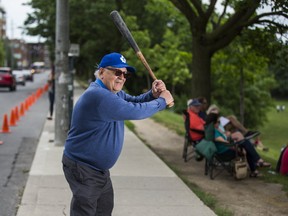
(118, 72)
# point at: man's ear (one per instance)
(101, 71)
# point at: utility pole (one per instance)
(64, 81)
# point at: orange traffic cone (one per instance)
(12, 118)
(22, 109)
(46, 87)
(5, 126)
(26, 104)
(30, 99)
(33, 98)
(38, 93)
(16, 112)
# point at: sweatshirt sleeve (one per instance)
(148, 96)
(119, 107)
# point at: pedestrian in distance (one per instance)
(96, 135)
(278, 108)
(51, 92)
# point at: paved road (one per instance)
(17, 152)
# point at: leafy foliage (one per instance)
(2, 52)
(234, 64)
(214, 26)
(280, 68)
(179, 43)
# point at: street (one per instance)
(17, 152)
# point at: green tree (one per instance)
(166, 59)
(241, 83)
(92, 29)
(172, 62)
(2, 52)
(212, 30)
(162, 33)
(96, 34)
(41, 22)
(279, 69)
(150, 26)
(273, 48)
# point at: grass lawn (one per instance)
(275, 131)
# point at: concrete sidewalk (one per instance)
(143, 184)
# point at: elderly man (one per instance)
(196, 122)
(96, 136)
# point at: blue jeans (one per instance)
(92, 189)
(252, 155)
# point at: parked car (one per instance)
(7, 79)
(28, 74)
(20, 77)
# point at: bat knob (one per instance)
(171, 104)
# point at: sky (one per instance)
(16, 14)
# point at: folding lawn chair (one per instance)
(189, 143)
(216, 163)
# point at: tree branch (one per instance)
(257, 18)
(209, 12)
(223, 13)
(198, 6)
(278, 25)
(225, 40)
(186, 9)
(211, 8)
(235, 21)
(279, 13)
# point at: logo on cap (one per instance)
(123, 59)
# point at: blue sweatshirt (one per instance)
(97, 126)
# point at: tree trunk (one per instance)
(201, 71)
(241, 107)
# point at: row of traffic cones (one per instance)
(16, 113)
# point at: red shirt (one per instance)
(196, 123)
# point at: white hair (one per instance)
(96, 73)
(189, 101)
(213, 108)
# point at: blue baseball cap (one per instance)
(195, 102)
(115, 60)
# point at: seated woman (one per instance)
(229, 153)
(236, 129)
(234, 125)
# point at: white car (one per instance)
(20, 77)
(29, 75)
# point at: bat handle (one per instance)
(171, 104)
(146, 65)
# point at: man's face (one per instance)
(113, 78)
(195, 109)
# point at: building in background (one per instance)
(2, 22)
(18, 53)
(38, 52)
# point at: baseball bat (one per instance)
(122, 27)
